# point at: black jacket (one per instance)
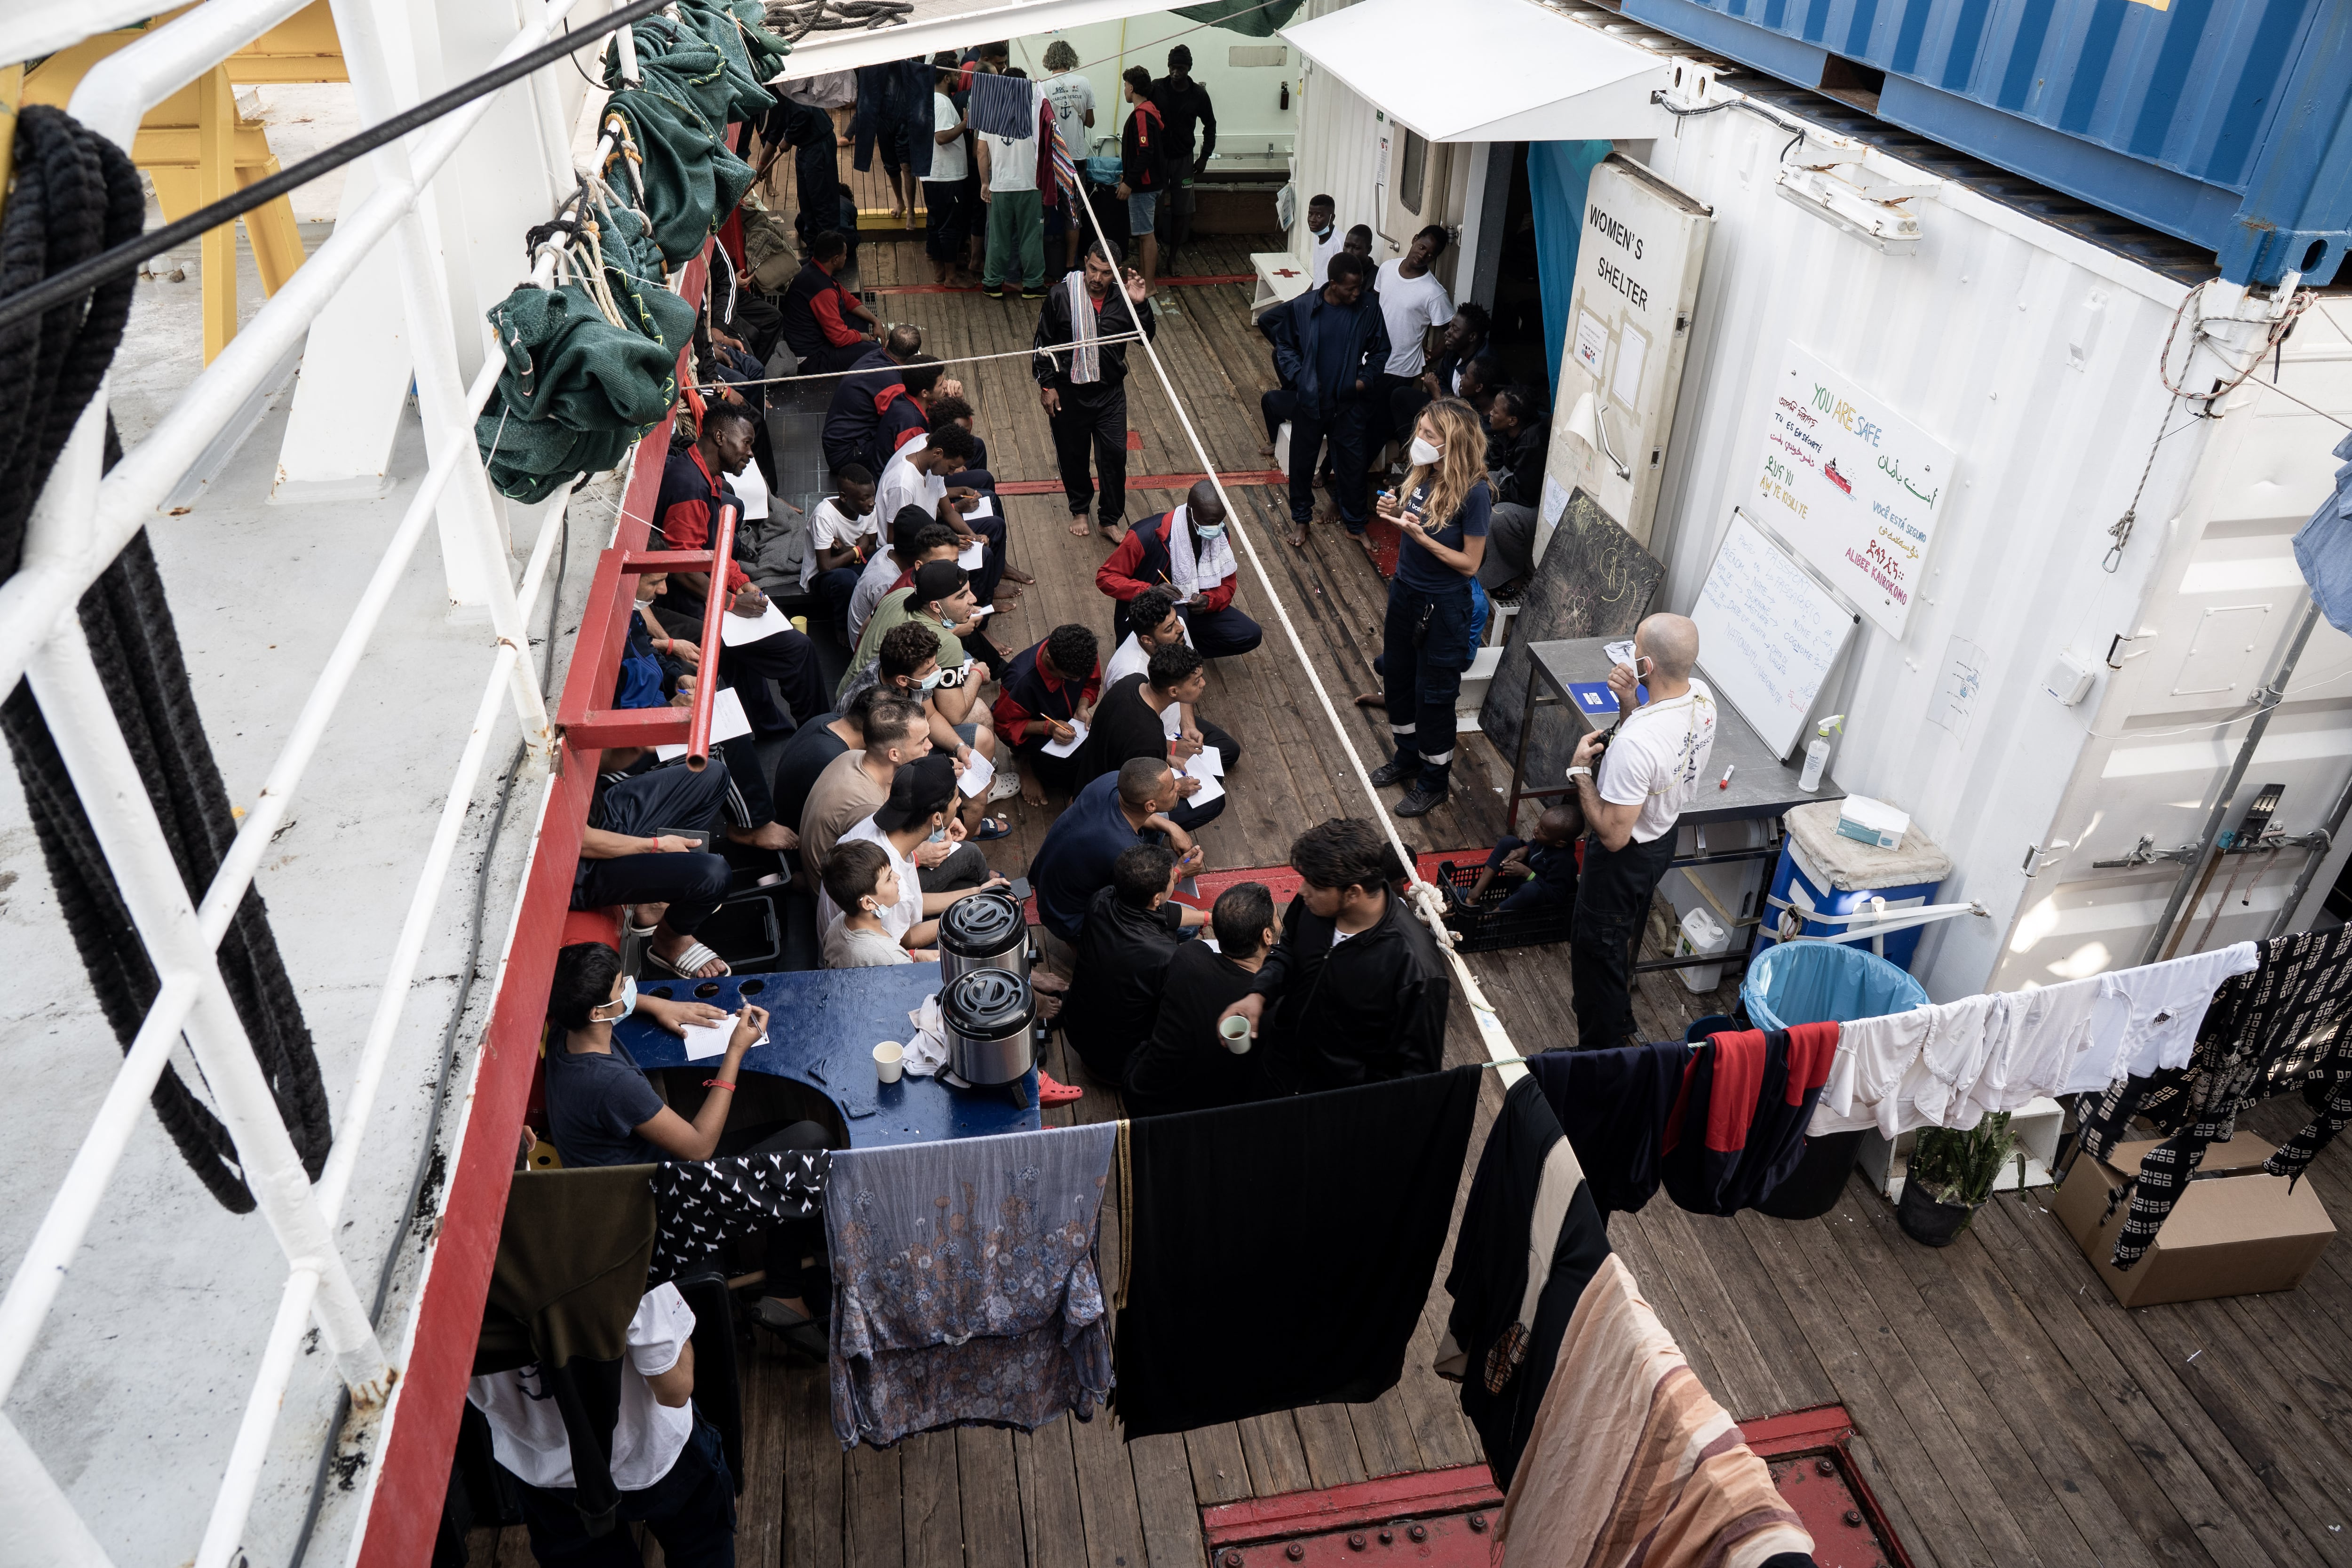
(852, 419)
(1370, 1010)
(1051, 364)
(1295, 331)
(1122, 964)
(1517, 465)
(1181, 110)
(1183, 1066)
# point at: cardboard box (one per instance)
(2235, 1232)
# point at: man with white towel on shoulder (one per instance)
(1082, 383)
(1185, 550)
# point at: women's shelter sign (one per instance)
(1854, 487)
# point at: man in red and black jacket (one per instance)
(826, 327)
(1040, 698)
(852, 416)
(903, 411)
(694, 494)
(1187, 549)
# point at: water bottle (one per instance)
(1817, 753)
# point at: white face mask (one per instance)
(1422, 453)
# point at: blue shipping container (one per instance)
(2229, 125)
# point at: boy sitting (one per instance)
(1547, 866)
(862, 883)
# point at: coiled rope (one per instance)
(75, 196)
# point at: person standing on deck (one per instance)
(1082, 383)
(1444, 509)
(1072, 99)
(1412, 302)
(1632, 792)
(1183, 106)
(1323, 227)
(1185, 550)
(949, 225)
(1329, 346)
(1017, 214)
(1142, 171)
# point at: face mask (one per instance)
(931, 681)
(1212, 530)
(1324, 232)
(938, 835)
(628, 1001)
(1422, 453)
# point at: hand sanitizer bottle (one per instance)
(1817, 753)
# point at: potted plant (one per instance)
(1951, 1177)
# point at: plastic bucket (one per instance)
(1819, 983)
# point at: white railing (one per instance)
(81, 522)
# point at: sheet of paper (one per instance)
(1625, 378)
(752, 491)
(1171, 719)
(704, 1041)
(976, 776)
(1592, 343)
(1063, 748)
(735, 630)
(1555, 502)
(1209, 765)
(985, 507)
(970, 560)
(985, 610)
(1212, 788)
(727, 721)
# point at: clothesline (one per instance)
(869, 370)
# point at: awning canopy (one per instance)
(1488, 71)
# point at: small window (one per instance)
(1416, 168)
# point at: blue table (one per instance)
(822, 1027)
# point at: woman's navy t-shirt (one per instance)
(1417, 568)
(596, 1103)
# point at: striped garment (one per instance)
(1631, 1461)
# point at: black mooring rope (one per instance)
(74, 196)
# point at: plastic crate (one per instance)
(1483, 928)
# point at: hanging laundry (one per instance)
(700, 1205)
(1953, 1064)
(2279, 1028)
(1530, 1240)
(1631, 1461)
(1738, 1126)
(1612, 1105)
(893, 109)
(966, 1284)
(1002, 106)
(1280, 1253)
(2322, 547)
(569, 1274)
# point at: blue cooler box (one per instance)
(1820, 871)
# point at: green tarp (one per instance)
(677, 119)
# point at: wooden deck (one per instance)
(2008, 1411)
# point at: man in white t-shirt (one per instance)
(843, 535)
(1072, 98)
(1412, 302)
(668, 1468)
(1655, 762)
(950, 224)
(1325, 239)
(1016, 212)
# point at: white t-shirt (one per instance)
(1012, 163)
(527, 1434)
(1131, 659)
(1071, 95)
(899, 918)
(1409, 306)
(1318, 269)
(873, 587)
(1656, 759)
(946, 157)
(830, 528)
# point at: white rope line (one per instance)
(869, 370)
(1496, 1039)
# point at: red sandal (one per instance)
(1051, 1093)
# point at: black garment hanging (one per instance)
(1280, 1254)
(1529, 1200)
(701, 1204)
(1612, 1106)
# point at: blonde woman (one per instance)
(1443, 508)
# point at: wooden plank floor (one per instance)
(2008, 1411)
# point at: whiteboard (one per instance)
(1853, 486)
(1768, 632)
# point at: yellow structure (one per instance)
(198, 149)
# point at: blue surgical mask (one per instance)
(1324, 232)
(938, 835)
(1210, 529)
(628, 1001)
(931, 681)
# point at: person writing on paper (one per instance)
(1442, 508)
(1183, 1064)
(934, 471)
(913, 536)
(1518, 440)
(909, 669)
(1186, 550)
(1046, 699)
(1132, 929)
(844, 536)
(862, 883)
(1109, 816)
(1157, 626)
(1356, 991)
(1631, 792)
(938, 596)
(855, 783)
(1142, 717)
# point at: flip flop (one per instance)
(688, 964)
(992, 827)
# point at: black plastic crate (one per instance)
(747, 931)
(1483, 928)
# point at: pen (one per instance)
(1724, 782)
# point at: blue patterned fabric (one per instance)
(2322, 547)
(966, 1287)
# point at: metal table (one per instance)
(822, 1027)
(1762, 785)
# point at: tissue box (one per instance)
(1871, 821)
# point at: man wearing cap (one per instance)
(1187, 549)
(922, 802)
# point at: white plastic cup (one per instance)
(890, 1061)
(1235, 1033)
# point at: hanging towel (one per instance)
(1630, 1461)
(1738, 1125)
(700, 1205)
(966, 1284)
(1281, 1253)
(1085, 360)
(1530, 1240)
(1612, 1106)
(2282, 1028)
(1002, 106)
(1064, 171)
